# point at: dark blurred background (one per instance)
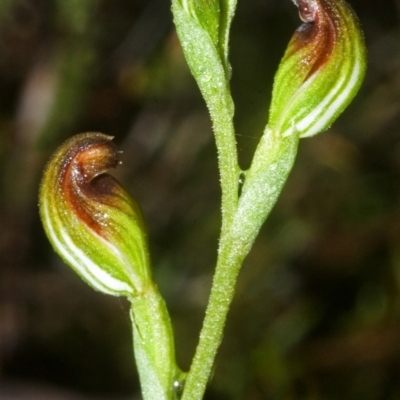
(317, 310)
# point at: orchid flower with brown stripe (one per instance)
(98, 230)
(92, 222)
(321, 71)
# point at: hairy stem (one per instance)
(258, 197)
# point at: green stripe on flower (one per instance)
(91, 221)
(321, 71)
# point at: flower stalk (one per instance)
(99, 231)
(203, 29)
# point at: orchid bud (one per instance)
(321, 71)
(91, 221)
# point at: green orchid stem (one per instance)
(160, 379)
(265, 179)
(212, 75)
(319, 75)
(228, 166)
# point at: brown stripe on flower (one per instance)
(319, 32)
(84, 182)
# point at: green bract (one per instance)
(321, 71)
(91, 221)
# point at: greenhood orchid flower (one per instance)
(91, 221)
(98, 229)
(321, 71)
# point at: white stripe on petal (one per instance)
(82, 264)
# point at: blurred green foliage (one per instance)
(317, 311)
